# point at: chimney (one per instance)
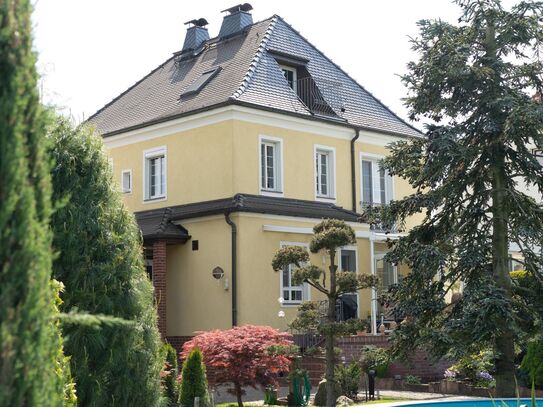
(196, 34)
(236, 20)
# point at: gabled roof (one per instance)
(249, 74)
(254, 204)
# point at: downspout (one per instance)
(234, 239)
(353, 168)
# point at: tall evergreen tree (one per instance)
(101, 264)
(29, 338)
(475, 83)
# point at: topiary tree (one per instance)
(193, 380)
(329, 236)
(533, 362)
(478, 83)
(243, 356)
(169, 374)
(100, 263)
(31, 359)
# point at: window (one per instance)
(270, 165)
(148, 253)
(324, 172)
(538, 155)
(292, 294)
(376, 183)
(290, 76)
(347, 303)
(126, 181)
(155, 173)
(515, 265)
(201, 81)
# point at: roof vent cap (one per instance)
(236, 20)
(196, 34)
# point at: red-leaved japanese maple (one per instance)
(240, 356)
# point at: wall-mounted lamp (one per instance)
(218, 274)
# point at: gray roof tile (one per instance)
(250, 75)
(157, 225)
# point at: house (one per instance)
(236, 146)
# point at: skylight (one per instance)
(200, 82)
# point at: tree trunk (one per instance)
(239, 392)
(504, 344)
(331, 319)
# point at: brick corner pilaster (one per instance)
(159, 284)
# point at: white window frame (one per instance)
(129, 189)
(294, 75)
(338, 256)
(389, 183)
(278, 166)
(147, 156)
(306, 289)
(331, 151)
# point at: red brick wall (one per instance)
(178, 341)
(159, 282)
(422, 365)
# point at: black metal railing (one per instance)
(306, 341)
(323, 98)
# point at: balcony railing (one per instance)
(322, 97)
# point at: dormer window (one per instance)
(290, 75)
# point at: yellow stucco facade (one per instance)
(217, 156)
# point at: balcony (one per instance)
(322, 97)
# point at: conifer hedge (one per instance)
(30, 345)
(101, 264)
(194, 381)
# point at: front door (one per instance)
(347, 304)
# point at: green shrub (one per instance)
(472, 366)
(100, 262)
(348, 378)
(170, 385)
(31, 358)
(270, 396)
(374, 358)
(533, 362)
(410, 379)
(193, 380)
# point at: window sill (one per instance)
(291, 304)
(153, 200)
(271, 192)
(325, 198)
